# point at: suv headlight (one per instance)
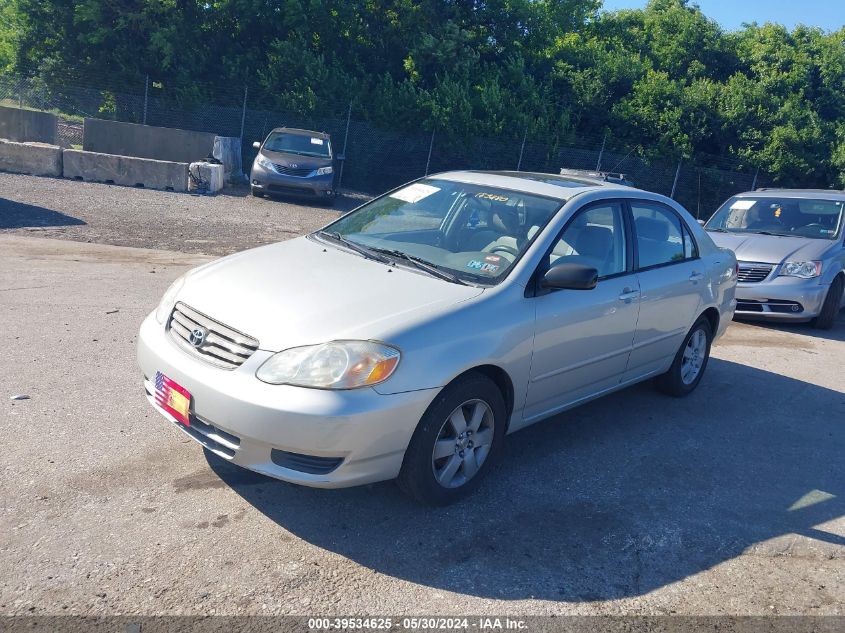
(323, 171)
(334, 365)
(805, 270)
(168, 301)
(264, 162)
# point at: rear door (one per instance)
(671, 278)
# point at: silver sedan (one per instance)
(791, 253)
(408, 337)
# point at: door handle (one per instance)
(696, 276)
(628, 294)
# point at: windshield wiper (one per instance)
(422, 264)
(719, 230)
(358, 248)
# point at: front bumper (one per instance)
(781, 299)
(320, 438)
(269, 181)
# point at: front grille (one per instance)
(223, 346)
(299, 172)
(311, 464)
(770, 305)
(752, 273)
(214, 439)
(292, 190)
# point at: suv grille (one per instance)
(752, 273)
(221, 346)
(301, 172)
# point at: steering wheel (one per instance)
(504, 248)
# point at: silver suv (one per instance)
(789, 243)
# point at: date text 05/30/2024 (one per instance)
(418, 624)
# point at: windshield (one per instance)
(794, 217)
(298, 144)
(473, 232)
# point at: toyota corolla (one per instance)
(407, 338)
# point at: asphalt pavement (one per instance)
(731, 501)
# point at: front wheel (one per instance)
(455, 441)
(690, 362)
(831, 305)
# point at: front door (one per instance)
(583, 338)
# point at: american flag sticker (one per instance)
(173, 398)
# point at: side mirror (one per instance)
(256, 145)
(701, 222)
(341, 157)
(570, 276)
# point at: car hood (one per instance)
(301, 162)
(771, 249)
(302, 292)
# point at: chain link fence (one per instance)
(376, 158)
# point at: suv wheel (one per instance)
(831, 305)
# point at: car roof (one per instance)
(301, 132)
(562, 187)
(809, 194)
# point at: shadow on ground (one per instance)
(17, 215)
(344, 203)
(837, 333)
(614, 499)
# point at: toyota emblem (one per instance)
(197, 336)
(294, 165)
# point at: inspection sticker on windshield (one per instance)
(414, 193)
(316, 141)
(484, 267)
(743, 204)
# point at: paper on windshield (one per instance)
(743, 204)
(317, 141)
(414, 193)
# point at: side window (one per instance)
(595, 237)
(660, 235)
(690, 247)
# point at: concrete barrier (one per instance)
(36, 159)
(125, 170)
(162, 143)
(27, 125)
(205, 177)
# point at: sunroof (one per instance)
(550, 179)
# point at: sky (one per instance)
(827, 14)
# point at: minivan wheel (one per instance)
(830, 307)
(457, 438)
(690, 362)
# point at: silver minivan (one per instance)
(407, 338)
(791, 252)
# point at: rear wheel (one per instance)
(690, 362)
(831, 305)
(455, 441)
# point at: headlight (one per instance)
(168, 301)
(335, 365)
(264, 162)
(805, 270)
(323, 171)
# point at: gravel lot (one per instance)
(124, 216)
(727, 502)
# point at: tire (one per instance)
(830, 307)
(676, 382)
(472, 395)
(255, 192)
